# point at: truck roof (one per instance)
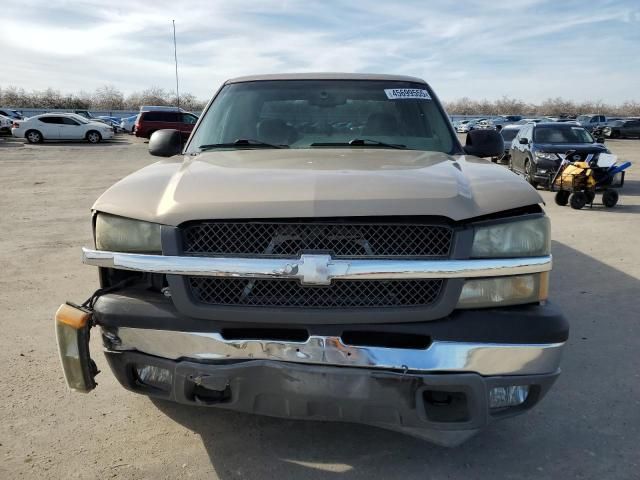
(325, 76)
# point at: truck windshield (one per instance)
(325, 113)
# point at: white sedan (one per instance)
(61, 126)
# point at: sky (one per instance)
(527, 49)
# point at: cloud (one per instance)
(530, 49)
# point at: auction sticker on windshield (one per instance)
(402, 93)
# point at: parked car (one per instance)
(524, 121)
(592, 121)
(61, 126)
(502, 121)
(102, 119)
(538, 149)
(485, 124)
(384, 275)
(160, 108)
(128, 124)
(13, 114)
(154, 120)
(5, 124)
(114, 122)
(85, 113)
(621, 129)
(461, 126)
(470, 125)
(508, 133)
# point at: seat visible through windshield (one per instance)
(315, 113)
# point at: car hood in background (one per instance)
(316, 183)
(564, 147)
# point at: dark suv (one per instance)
(149, 122)
(539, 148)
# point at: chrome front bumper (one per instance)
(441, 356)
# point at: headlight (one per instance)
(504, 291)
(119, 234)
(523, 238)
(547, 155)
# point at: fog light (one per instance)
(502, 291)
(500, 397)
(155, 377)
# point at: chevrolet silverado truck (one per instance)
(323, 247)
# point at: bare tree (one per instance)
(108, 97)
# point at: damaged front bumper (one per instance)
(473, 367)
(476, 366)
(444, 408)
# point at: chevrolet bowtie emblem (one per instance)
(316, 269)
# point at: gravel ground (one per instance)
(587, 427)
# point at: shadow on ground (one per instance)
(587, 427)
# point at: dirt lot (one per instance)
(588, 426)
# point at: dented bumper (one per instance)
(445, 409)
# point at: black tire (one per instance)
(562, 198)
(34, 136)
(93, 136)
(610, 198)
(577, 200)
(528, 175)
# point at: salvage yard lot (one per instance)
(587, 427)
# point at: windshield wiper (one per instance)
(359, 142)
(241, 142)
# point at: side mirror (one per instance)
(165, 143)
(524, 141)
(484, 143)
(600, 140)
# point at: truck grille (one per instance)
(341, 240)
(290, 293)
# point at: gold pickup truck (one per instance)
(323, 247)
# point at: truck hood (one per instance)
(316, 183)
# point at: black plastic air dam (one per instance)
(387, 399)
(528, 324)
